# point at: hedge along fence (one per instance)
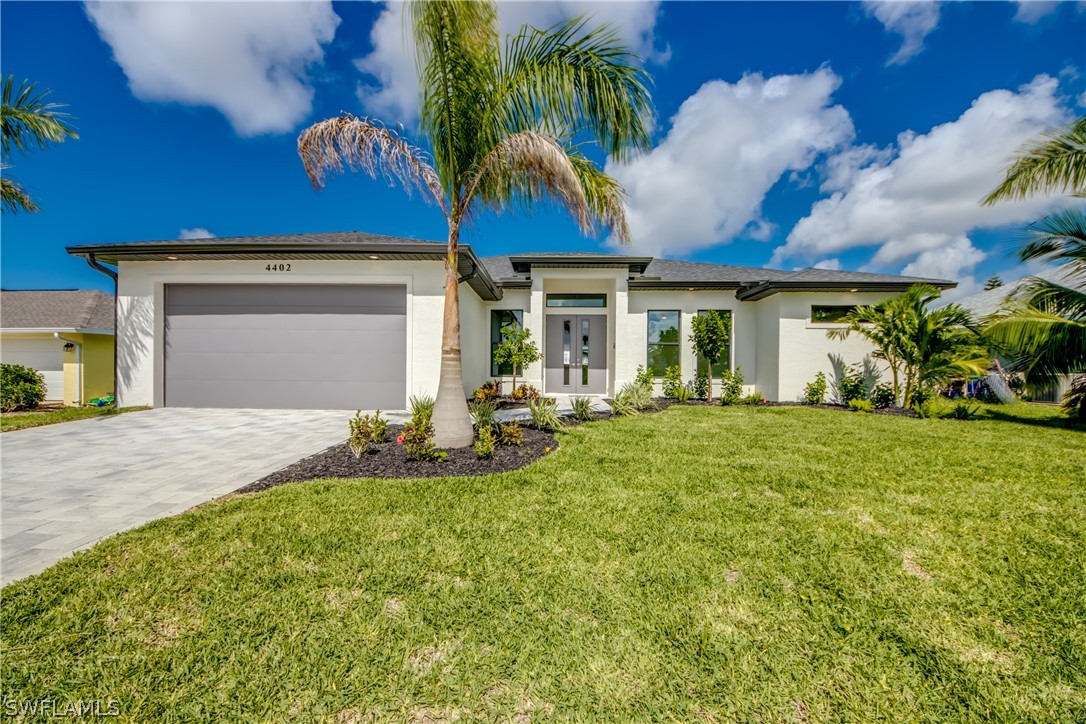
(21, 388)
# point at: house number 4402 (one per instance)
(277, 267)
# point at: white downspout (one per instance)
(78, 364)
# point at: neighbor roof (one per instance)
(56, 309)
(989, 302)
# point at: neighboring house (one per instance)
(353, 320)
(66, 334)
(991, 302)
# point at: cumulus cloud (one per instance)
(911, 20)
(198, 233)
(729, 143)
(832, 264)
(390, 89)
(1031, 11)
(249, 61)
(918, 200)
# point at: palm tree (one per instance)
(26, 121)
(926, 347)
(503, 127)
(1044, 333)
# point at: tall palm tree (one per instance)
(1044, 332)
(27, 121)
(503, 127)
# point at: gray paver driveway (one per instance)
(64, 487)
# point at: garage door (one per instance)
(286, 346)
(44, 355)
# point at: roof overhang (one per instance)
(468, 266)
(51, 330)
(762, 290)
(691, 286)
(636, 264)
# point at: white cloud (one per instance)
(911, 20)
(198, 233)
(1031, 11)
(919, 200)
(832, 264)
(247, 60)
(728, 145)
(390, 90)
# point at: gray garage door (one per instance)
(286, 346)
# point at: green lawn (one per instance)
(36, 418)
(772, 564)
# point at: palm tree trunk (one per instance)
(452, 423)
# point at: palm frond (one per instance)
(524, 168)
(605, 196)
(569, 80)
(347, 142)
(1059, 237)
(14, 198)
(1056, 298)
(1056, 162)
(27, 121)
(1041, 344)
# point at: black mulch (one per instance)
(388, 460)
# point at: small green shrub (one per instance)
(1074, 399)
(490, 390)
(731, 386)
(482, 412)
(882, 396)
(922, 395)
(754, 398)
(422, 409)
(701, 385)
(928, 408)
(851, 386)
(417, 439)
(21, 388)
(511, 434)
(815, 392)
(544, 413)
(962, 410)
(673, 381)
(644, 378)
(484, 445)
(684, 394)
(525, 392)
(365, 431)
(633, 398)
(859, 405)
(582, 407)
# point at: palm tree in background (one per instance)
(1045, 333)
(504, 127)
(27, 121)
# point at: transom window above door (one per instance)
(576, 300)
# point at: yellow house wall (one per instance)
(97, 362)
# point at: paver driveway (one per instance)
(65, 486)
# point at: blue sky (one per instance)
(847, 135)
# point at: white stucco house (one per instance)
(353, 320)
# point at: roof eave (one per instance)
(524, 263)
(766, 289)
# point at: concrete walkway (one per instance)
(63, 487)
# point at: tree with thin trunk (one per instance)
(711, 335)
(27, 122)
(516, 348)
(504, 127)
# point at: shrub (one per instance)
(511, 433)
(731, 386)
(815, 392)
(482, 412)
(632, 399)
(851, 385)
(582, 407)
(882, 396)
(922, 395)
(491, 390)
(683, 394)
(701, 385)
(754, 398)
(1074, 399)
(484, 446)
(644, 378)
(21, 388)
(418, 441)
(365, 431)
(673, 381)
(962, 410)
(544, 413)
(525, 392)
(927, 408)
(859, 405)
(422, 408)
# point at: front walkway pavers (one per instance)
(64, 487)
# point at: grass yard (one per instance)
(773, 564)
(36, 418)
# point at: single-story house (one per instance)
(353, 320)
(66, 334)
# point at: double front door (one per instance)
(575, 356)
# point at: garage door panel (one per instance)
(286, 346)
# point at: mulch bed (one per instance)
(388, 460)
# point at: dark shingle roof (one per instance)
(302, 240)
(56, 309)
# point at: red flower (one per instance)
(400, 439)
